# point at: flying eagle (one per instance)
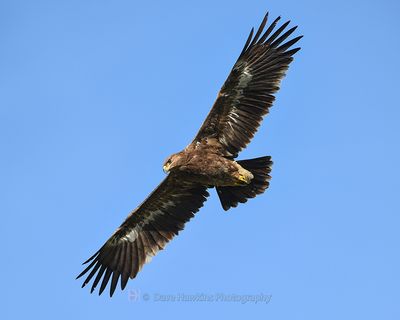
(209, 161)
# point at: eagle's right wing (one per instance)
(144, 232)
(248, 92)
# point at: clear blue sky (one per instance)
(95, 94)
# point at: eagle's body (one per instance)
(209, 161)
(201, 162)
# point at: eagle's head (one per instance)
(173, 162)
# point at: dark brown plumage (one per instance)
(208, 161)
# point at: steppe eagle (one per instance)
(209, 161)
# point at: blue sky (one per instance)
(95, 94)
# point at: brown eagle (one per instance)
(209, 161)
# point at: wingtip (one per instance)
(80, 275)
(284, 25)
(91, 258)
(295, 50)
(264, 21)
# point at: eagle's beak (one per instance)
(165, 168)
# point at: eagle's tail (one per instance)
(260, 168)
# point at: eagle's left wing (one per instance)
(248, 92)
(144, 232)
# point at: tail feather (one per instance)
(260, 168)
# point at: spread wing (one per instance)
(144, 232)
(247, 94)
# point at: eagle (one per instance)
(207, 162)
